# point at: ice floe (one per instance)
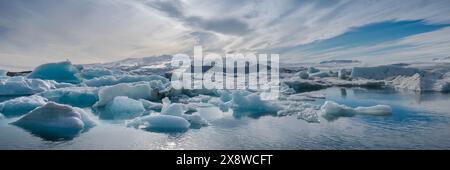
(16, 86)
(60, 72)
(55, 121)
(160, 123)
(21, 105)
(74, 96)
(331, 110)
(142, 90)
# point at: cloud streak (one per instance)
(84, 31)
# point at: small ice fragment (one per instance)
(161, 123)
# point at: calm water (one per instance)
(420, 121)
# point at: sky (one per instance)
(34, 32)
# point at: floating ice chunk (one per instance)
(427, 81)
(74, 96)
(195, 120)
(374, 110)
(1, 116)
(303, 74)
(15, 86)
(304, 111)
(148, 105)
(301, 85)
(54, 121)
(122, 107)
(161, 123)
(137, 91)
(331, 110)
(252, 102)
(93, 72)
(174, 109)
(86, 117)
(21, 105)
(313, 70)
(60, 72)
(113, 80)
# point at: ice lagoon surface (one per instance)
(365, 118)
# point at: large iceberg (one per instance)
(331, 110)
(382, 72)
(55, 121)
(21, 105)
(122, 107)
(16, 86)
(161, 123)
(428, 81)
(141, 90)
(60, 72)
(74, 96)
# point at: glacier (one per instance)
(117, 79)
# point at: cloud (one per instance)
(33, 32)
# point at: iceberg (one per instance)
(21, 105)
(94, 72)
(113, 80)
(148, 105)
(136, 91)
(195, 120)
(425, 82)
(17, 86)
(55, 121)
(245, 101)
(160, 123)
(174, 109)
(302, 85)
(313, 70)
(122, 107)
(331, 110)
(382, 72)
(60, 72)
(74, 96)
(304, 111)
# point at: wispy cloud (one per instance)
(33, 32)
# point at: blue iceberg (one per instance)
(60, 72)
(21, 105)
(55, 121)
